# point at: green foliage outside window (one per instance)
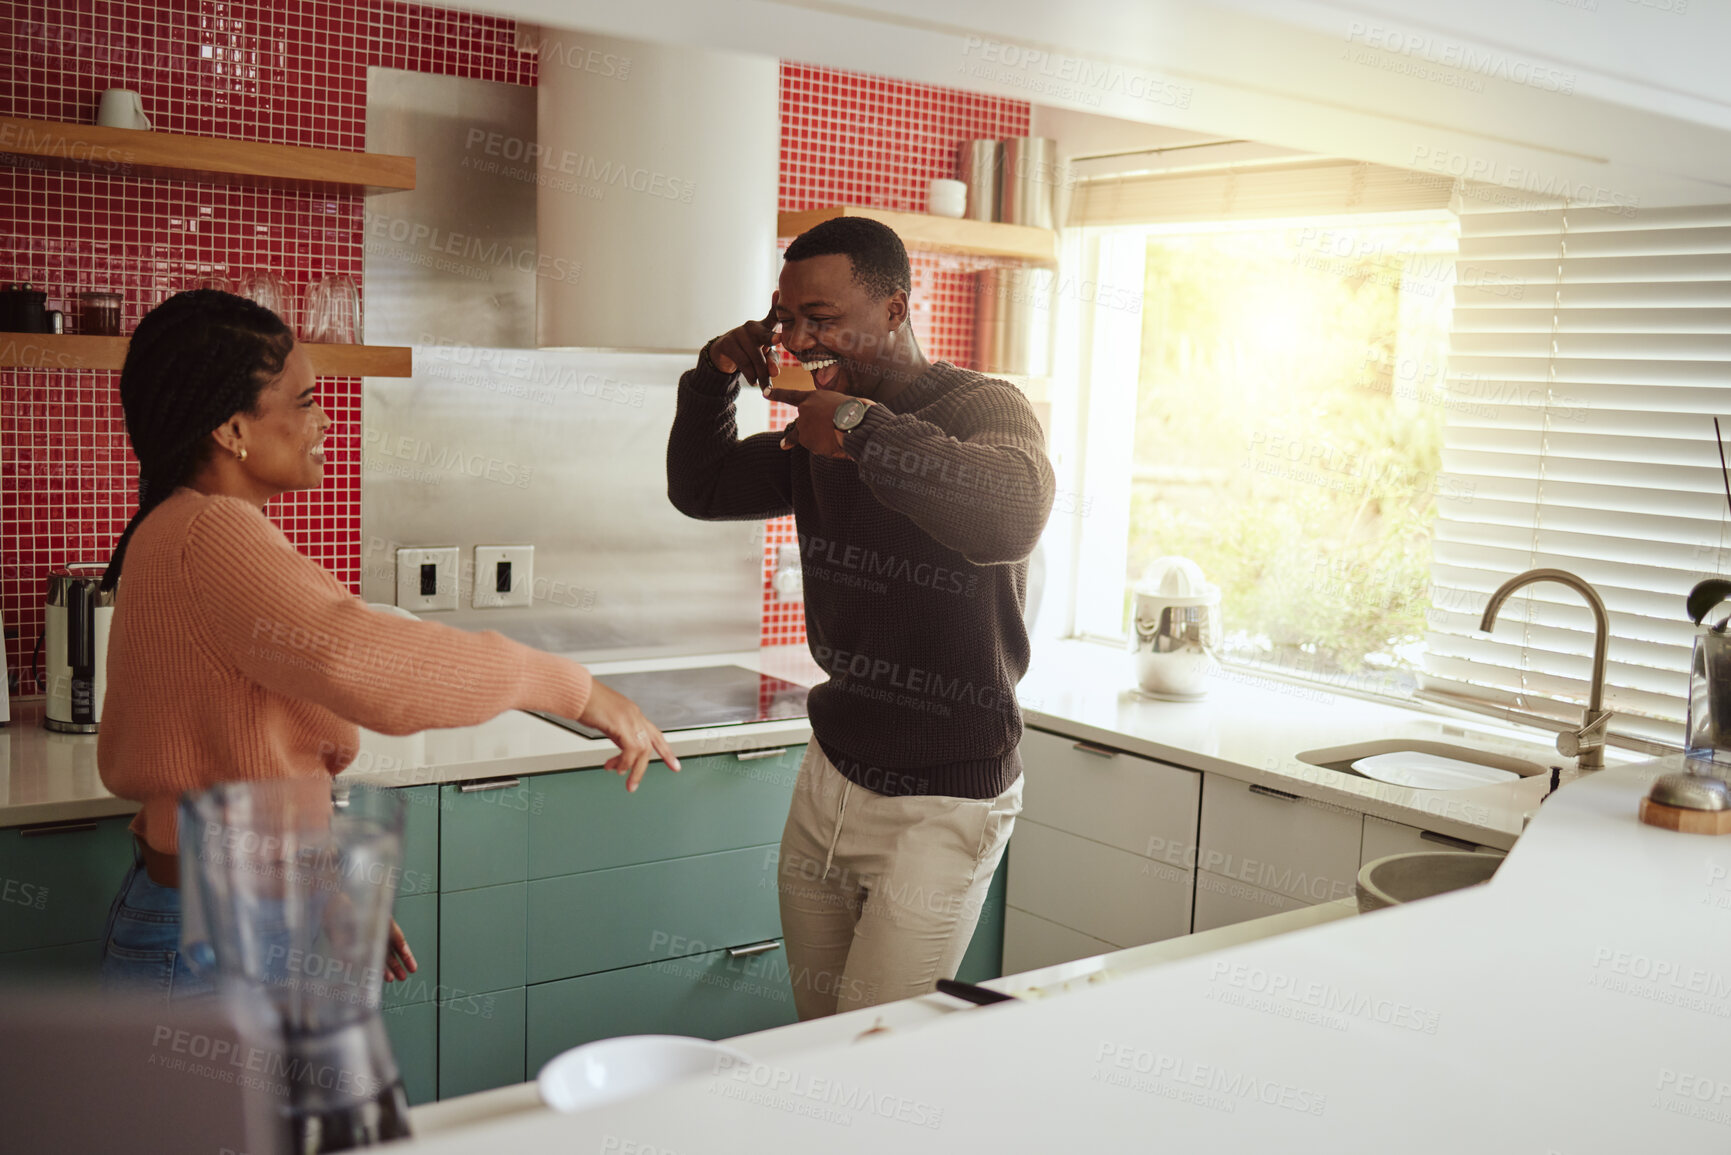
(1289, 433)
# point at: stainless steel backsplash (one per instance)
(492, 442)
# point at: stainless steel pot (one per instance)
(981, 163)
(1013, 320)
(1028, 181)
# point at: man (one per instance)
(918, 490)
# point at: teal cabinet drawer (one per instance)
(482, 935)
(414, 1032)
(985, 957)
(420, 841)
(58, 879)
(710, 996)
(604, 919)
(480, 1042)
(483, 834)
(69, 962)
(584, 820)
(418, 915)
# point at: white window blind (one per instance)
(1299, 188)
(1589, 353)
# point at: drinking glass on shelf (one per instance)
(207, 279)
(333, 311)
(266, 288)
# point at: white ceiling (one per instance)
(1627, 101)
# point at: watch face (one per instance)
(848, 414)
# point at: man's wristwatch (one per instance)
(849, 414)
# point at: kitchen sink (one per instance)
(1402, 878)
(1422, 764)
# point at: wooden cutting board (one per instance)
(1686, 821)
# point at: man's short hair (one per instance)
(880, 262)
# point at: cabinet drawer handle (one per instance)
(1270, 792)
(755, 948)
(1097, 751)
(1457, 843)
(754, 755)
(75, 826)
(489, 784)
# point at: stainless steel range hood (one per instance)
(657, 178)
(494, 442)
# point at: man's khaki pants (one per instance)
(880, 895)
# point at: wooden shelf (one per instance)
(204, 159)
(940, 234)
(74, 351)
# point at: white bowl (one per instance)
(611, 1069)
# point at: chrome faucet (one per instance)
(1587, 744)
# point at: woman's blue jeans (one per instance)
(141, 949)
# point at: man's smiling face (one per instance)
(832, 324)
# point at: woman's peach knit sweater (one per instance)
(234, 656)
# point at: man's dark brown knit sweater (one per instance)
(914, 556)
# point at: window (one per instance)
(1362, 418)
(1274, 412)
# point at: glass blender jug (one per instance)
(287, 889)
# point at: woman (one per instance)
(232, 655)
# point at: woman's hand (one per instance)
(399, 959)
(338, 919)
(638, 740)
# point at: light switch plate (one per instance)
(489, 576)
(409, 571)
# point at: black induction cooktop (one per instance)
(699, 697)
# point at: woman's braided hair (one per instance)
(195, 361)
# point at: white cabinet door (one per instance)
(1277, 841)
(1104, 850)
(1123, 800)
(1031, 942)
(1382, 837)
(1223, 901)
(1098, 890)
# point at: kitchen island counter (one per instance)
(1573, 1004)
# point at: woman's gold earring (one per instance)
(240, 454)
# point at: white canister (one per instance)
(1176, 629)
(947, 198)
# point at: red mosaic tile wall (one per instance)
(295, 73)
(289, 73)
(850, 138)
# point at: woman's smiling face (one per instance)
(284, 434)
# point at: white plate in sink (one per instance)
(1422, 771)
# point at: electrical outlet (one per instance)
(504, 576)
(427, 579)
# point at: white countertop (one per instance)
(48, 777)
(1250, 728)
(1578, 1002)
(1253, 728)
